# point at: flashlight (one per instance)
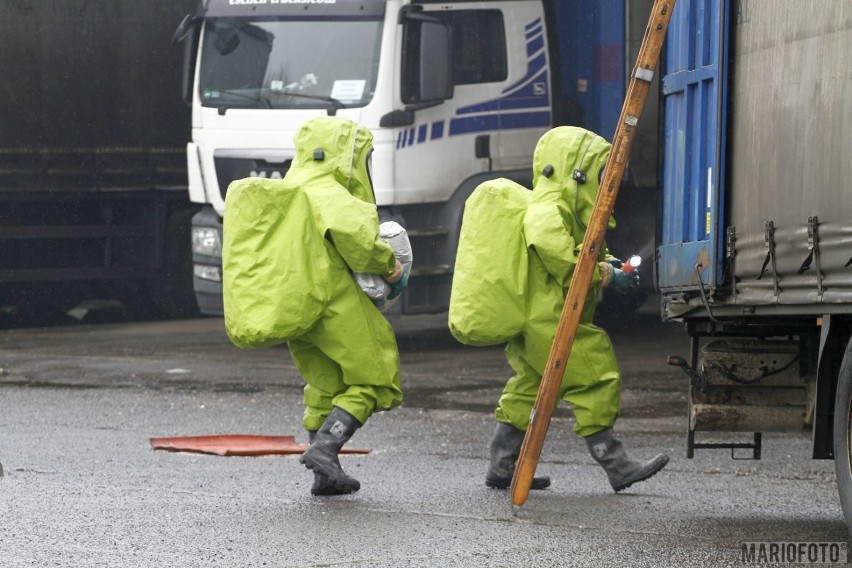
(632, 264)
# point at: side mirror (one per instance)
(436, 73)
(427, 54)
(182, 30)
(188, 31)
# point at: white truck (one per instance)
(455, 93)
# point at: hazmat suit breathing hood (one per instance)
(338, 147)
(567, 168)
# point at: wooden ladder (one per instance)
(566, 331)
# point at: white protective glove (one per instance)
(374, 285)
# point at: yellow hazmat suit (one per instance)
(528, 283)
(290, 249)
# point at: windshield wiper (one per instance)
(256, 97)
(336, 104)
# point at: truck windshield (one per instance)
(273, 63)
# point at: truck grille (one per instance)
(230, 169)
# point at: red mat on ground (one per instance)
(238, 445)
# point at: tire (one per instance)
(843, 435)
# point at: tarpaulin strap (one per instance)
(769, 238)
(731, 255)
(806, 265)
(763, 268)
(813, 255)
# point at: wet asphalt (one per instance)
(80, 400)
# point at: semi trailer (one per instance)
(93, 195)
(755, 232)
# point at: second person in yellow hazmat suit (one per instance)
(551, 225)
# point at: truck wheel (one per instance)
(843, 435)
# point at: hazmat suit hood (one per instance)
(337, 147)
(567, 167)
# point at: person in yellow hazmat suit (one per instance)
(291, 249)
(516, 257)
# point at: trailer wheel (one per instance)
(843, 435)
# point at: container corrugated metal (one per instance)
(693, 91)
(786, 167)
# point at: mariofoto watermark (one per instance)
(794, 552)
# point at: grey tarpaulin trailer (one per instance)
(755, 229)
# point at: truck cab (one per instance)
(454, 93)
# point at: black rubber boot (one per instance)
(321, 484)
(504, 450)
(321, 457)
(621, 470)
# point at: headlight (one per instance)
(207, 272)
(205, 240)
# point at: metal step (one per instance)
(429, 232)
(431, 275)
(436, 270)
(755, 446)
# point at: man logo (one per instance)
(275, 174)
